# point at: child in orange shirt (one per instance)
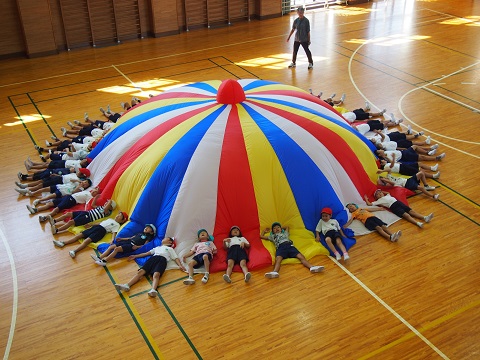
(371, 222)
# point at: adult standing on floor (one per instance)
(302, 37)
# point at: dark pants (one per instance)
(296, 46)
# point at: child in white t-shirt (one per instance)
(154, 266)
(333, 233)
(235, 244)
(203, 252)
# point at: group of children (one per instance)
(64, 174)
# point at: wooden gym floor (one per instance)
(418, 299)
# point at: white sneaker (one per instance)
(247, 277)
(152, 293)
(345, 256)
(102, 110)
(205, 278)
(101, 262)
(316, 269)
(123, 287)
(51, 220)
(189, 281)
(436, 196)
(58, 243)
(436, 175)
(343, 97)
(399, 233)
(433, 147)
(36, 202)
(338, 256)
(72, 254)
(311, 92)
(77, 122)
(428, 218)
(69, 123)
(383, 111)
(272, 275)
(420, 224)
(95, 257)
(22, 192)
(409, 129)
(441, 156)
(430, 188)
(432, 152)
(367, 106)
(47, 143)
(227, 278)
(292, 65)
(85, 116)
(310, 66)
(428, 140)
(392, 117)
(434, 167)
(394, 237)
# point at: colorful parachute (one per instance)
(249, 152)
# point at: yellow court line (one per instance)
(429, 326)
(141, 324)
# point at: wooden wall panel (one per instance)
(12, 41)
(269, 9)
(196, 13)
(127, 19)
(217, 12)
(102, 19)
(165, 17)
(37, 27)
(57, 24)
(238, 9)
(76, 23)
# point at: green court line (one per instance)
(39, 112)
(21, 119)
(180, 328)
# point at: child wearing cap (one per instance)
(397, 207)
(126, 245)
(203, 252)
(370, 221)
(95, 233)
(285, 249)
(79, 218)
(155, 265)
(235, 245)
(333, 233)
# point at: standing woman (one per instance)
(302, 37)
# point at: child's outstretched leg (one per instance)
(306, 263)
(332, 248)
(276, 268)
(243, 265)
(155, 281)
(126, 287)
(206, 262)
(413, 214)
(387, 234)
(82, 246)
(343, 249)
(228, 273)
(190, 280)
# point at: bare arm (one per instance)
(265, 231)
(367, 201)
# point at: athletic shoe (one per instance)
(310, 66)
(227, 278)
(102, 110)
(399, 121)
(152, 293)
(21, 191)
(101, 262)
(53, 229)
(316, 269)
(420, 224)
(20, 185)
(436, 175)
(428, 140)
(51, 220)
(430, 188)
(428, 218)
(392, 118)
(345, 256)
(20, 176)
(409, 129)
(338, 256)
(433, 147)
(320, 94)
(27, 165)
(77, 122)
(69, 123)
(247, 277)
(85, 116)
(399, 233)
(333, 95)
(292, 65)
(383, 111)
(53, 137)
(122, 104)
(42, 218)
(432, 152)
(205, 278)
(367, 106)
(434, 167)
(420, 133)
(36, 202)
(108, 109)
(189, 281)
(272, 275)
(58, 243)
(72, 254)
(48, 143)
(122, 287)
(441, 156)
(64, 131)
(95, 257)
(436, 196)
(343, 97)
(32, 209)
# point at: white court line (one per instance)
(393, 312)
(15, 295)
(126, 77)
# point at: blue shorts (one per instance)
(237, 254)
(333, 235)
(95, 233)
(372, 222)
(287, 250)
(399, 208)
(199, 259)
(65, 202)
(81, 217)
(412, 183)
(155, 264)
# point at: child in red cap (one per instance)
(333, 233)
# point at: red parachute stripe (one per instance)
(337, 146)
(237, 207)
(110, 180)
